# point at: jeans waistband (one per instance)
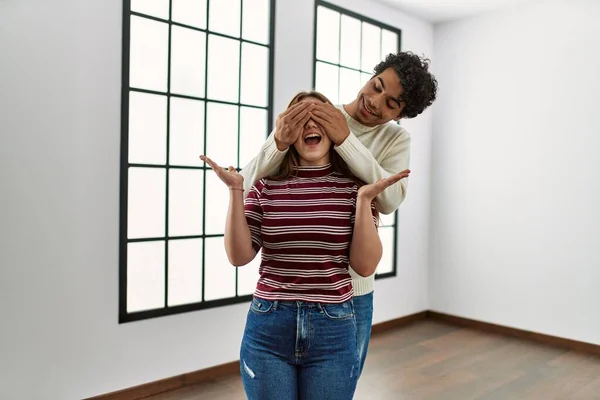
(299, 304)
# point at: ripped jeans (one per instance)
(294, 350)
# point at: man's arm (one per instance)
(288, 126)
(361, 162)
(264, 164)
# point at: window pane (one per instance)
(148, 54)
(253, 133)
(371, 46)
(350, 42)
(389, 43)
(224, 17)
(222, 133)
(248, 276)
(185, 271)
(364, 78)
(147, 128)
(156, 8)
(349, 85)
(217, 203)
(146, 203)
(387, 220)
(186, 135)
(188, 52)
(327, 81)
(190, 12)
(145, 276)
(255, 74)
(387, 260)
(185, 202)
(256, 21)
(218, 272)
(328, 35)
(223, 68)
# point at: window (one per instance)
(347, 48)
(196, 80)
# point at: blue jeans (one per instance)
(363, 308)
(299, 351)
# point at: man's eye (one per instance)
(392, 105)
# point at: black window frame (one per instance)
(124, 315)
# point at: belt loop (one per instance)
(275, 303)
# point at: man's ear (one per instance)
(399, 117)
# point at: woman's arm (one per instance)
(238, 236)
(365, 249)
(238, 239)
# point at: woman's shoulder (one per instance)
(258, 186)
(273, 181)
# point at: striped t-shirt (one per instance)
(304, 227)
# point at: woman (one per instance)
(311, 220)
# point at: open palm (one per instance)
(374, 189)
(229, 176)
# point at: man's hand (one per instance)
(289, 124)
(369, 192)
(332, 120)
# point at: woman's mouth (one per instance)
(312, 139)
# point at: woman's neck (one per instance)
(302, 162)
(313, 171)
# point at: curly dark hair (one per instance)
(420, 86)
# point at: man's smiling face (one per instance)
(378, 102)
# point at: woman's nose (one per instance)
(310, 124)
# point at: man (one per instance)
(372, 145)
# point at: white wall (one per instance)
(516, 177)
(59, 155)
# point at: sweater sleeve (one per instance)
(361, 162)
(264, 164)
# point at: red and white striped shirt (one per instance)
(304, 226)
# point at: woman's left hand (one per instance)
(369, 192)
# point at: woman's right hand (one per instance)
(369, 192)
(229, 176)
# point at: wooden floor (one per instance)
(431, 360)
